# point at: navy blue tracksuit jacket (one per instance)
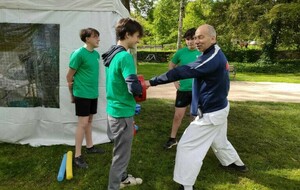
(211, 80)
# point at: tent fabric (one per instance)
(67, 5)
(49, 126)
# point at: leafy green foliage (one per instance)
(165, 20)
(288, 15)
(272, 24)
(196, 13)
(148, 37)
(264, 21)
(143, 8)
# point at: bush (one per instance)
(243, 55)
(158, 57)
(278, 67)
(249, 55)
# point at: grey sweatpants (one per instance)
(120, 131)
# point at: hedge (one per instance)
(232, 56)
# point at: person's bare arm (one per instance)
(69, 77)
(172, 66)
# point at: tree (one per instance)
(283, 22)
(143, 8)
(196, 13)
(148, 37)
(272, 23)
(266, 21)
(180, 20)
(165, 21)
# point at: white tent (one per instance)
(48, 125)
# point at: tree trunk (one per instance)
(269, 49)
(181, 15)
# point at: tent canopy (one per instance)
(67, 5)
(36, 40)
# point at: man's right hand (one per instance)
(147, 83)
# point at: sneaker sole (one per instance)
(77, 166)
(99, 151)
(138, 181)
(95, 152)
(169, 147)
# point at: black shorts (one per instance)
(183, 98)
(85, 107)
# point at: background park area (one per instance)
(260, 39)
(266, 135)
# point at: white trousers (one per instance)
(202, 133)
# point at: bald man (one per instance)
(210, 106)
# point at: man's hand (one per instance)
(147, 83)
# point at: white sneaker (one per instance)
(130, 181)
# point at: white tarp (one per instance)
(43, 125)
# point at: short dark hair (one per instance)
(128, 25)
(87, 32)
(190, 33)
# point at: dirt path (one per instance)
(243, 91)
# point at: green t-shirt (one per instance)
(185, 56)
(120, 103)
(86, 78)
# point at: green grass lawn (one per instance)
(262, 77)
(266, 136)
(152, 69)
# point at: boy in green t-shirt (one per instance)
(183, 56)
(82, 79)
(121, 86)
